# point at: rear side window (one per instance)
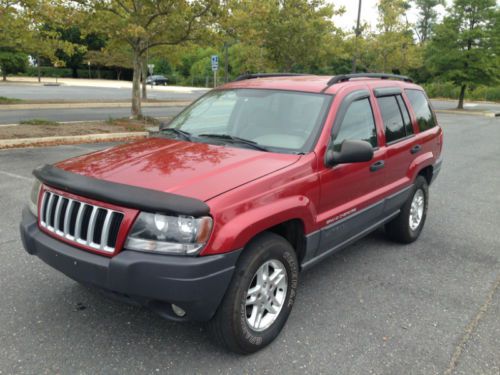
(393, 119)
(422, 109)
(406, 115)
(397, 121)
(358, 124)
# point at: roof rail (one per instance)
(267, 75)
(347, 77)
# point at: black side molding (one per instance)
(120, 194)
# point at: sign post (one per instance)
(215, 67)
(151, 68)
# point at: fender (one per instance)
(419, 163)
(235, 233)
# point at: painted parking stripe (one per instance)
(16, 176)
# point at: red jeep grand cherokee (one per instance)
(213, 219)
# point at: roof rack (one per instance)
(267, 75)
(347, 77)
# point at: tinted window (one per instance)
(393, 120)
(422, 109)
(406, 116)
(358, 124)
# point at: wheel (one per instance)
(260, 296)
(406, 227)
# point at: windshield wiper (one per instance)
(184, 134)
(235, 139)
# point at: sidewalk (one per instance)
(121, 104)
(97, 83)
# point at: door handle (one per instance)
(377, 165)
(415, 149)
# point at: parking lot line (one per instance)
(15, 176)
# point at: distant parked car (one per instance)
(157, 80)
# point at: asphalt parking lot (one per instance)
(431, 307)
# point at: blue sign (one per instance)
(215, 63)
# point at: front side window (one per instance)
(281, 121)
(422, 109)
(358, 124)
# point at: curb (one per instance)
(467, 113)
(90, 105)
(88, 138)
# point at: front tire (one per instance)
(407, 226)
(260, 297)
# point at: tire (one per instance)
(400, 229)
(235, 324)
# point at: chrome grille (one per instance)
(80, 222)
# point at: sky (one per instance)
(368, 13)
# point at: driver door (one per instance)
(351, 194)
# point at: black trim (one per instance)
(336, 236)
(347, 77)
(122, 195)
(387, 91)
(436, 168)
(244, 77)
(196, 284)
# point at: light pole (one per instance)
(358, 32)
(88, 63)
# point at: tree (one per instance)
(82, 43)
(393, 47)
(146, 24)
(465, 48)
(288, 35)
(116, 55)
(12, 62)
(427, 16)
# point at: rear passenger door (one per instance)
(400, 140)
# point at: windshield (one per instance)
(281, 121)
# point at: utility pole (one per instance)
(358, 33)
(226, 63)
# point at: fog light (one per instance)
(178, 311)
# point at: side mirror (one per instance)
(351, 151)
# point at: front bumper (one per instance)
(196, 284)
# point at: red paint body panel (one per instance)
(250, 191)
(195, 170)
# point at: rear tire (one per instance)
(407, 226)
(236, 325)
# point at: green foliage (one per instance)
(464, 49)
(38, 122)
(451, 91)
(4, 100)
(12, 62)
(427, 16)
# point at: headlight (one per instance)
(183, 235)
(35, 193)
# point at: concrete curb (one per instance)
(467, 113)
(88, 138)
(90, 105)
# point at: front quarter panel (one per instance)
(241, 214)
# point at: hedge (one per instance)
(449, 90)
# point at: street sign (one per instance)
(215, 63)
(150, 68)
